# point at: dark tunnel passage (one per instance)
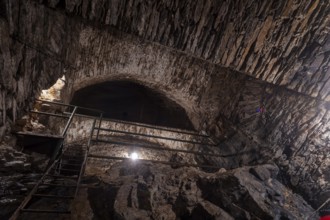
(130, 101)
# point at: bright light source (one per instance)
(134, 156)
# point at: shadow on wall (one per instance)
(129, 101)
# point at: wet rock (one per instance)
(187, 193)
(264, 172)
(17, 178)
(17, 164)
(203, 65)
(255, 192)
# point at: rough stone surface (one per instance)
(19, 172)
(205, 55)
(24, 72)
(133, 190)
(281, 42)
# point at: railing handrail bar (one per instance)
(154, 136)
(155, 147)
(68, 105)
(82, 115)
(154, 161)
(157, 127)
(50, 114)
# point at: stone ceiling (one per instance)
(282, 42)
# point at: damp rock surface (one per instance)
(134, 190)
(19, 172)
(252, 74)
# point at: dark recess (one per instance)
(3, 9)
(129, 101)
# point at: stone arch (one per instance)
(133, 101)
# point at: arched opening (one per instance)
(130, 101)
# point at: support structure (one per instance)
(66, 166)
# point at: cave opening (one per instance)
(129, 101)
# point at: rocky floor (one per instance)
(135, 190)
(18, 174)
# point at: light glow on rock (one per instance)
(134, 156)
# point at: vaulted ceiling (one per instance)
(282, 42)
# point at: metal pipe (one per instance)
(153, 161)
(154, 136)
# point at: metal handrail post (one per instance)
(91, 135)
(69, 121)
(98, 130)
(82, 170)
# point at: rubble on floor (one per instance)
(135, 190)
(19, 172)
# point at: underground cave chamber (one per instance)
(128, 101)
(239, 86)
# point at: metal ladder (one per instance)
(63, 178)
(60, 183)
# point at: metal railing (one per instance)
(108, 135)
(60, 144)
(70, 117)
(56, 161)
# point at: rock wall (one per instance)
(285, 43)
(281, 42)
(289, 127)
(25, 69)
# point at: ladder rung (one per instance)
(75, 156)
(53, 196)
(61, 176)
(71, 159)
(73, 148)
(59, 185)
(45, 211)
(71, 164)
(60, 170)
